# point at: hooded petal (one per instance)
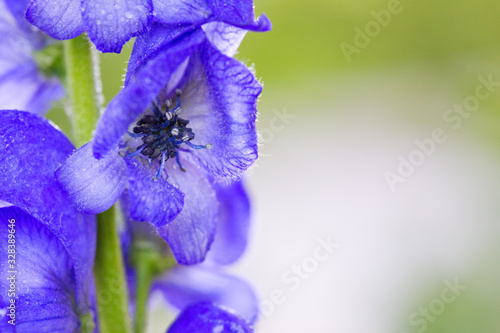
(60, 19)
(233, 220)
(192, 12)
(142, 88)
(93, 185)
(225, 37)
(239, 13)
(191, 233)
(44, 276)
(197, 12)
(32, 150)
(220, 100)
(149, 44)
(150, 199)
(208, 318)
(183, 286)
(110, 24)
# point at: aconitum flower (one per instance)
(186, 285)
(206, 317)
(110, 24)
(184, 121)
(47, 247)
(181, 285)
(22, 85)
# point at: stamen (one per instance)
(162, 164)
(136, 135)
(197, 146)
(156, 111)
(155, 154)
(147, 151)
(179, 162)
(163, 133)
(135, 153)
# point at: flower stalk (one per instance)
(112, 300)
(81, 87)
(149, 263)
(145, 276)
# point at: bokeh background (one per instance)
(331, 128)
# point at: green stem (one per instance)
(148, 263)
(109, 272)
(111, 286)
(81, 84)
(145, 276)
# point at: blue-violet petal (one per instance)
(150, 199)
(60, 19)
(110, 24)
(233, 220)
(209, 318)
(93, 185)
(191, 233)
(183, 286)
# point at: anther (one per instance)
(182, 122)
(148, 139)
(147, 151)
(162, 164)
(162, 133)
(155, 154)
(148, 119)
(179, 162)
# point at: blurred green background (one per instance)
(453, 41)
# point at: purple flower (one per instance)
(53, 246)
(110, 24)
(232, 221)
(206, 317)
(190, 112)
(182, 285)
(186, 285)
(22, 85)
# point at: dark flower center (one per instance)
(163, 133)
